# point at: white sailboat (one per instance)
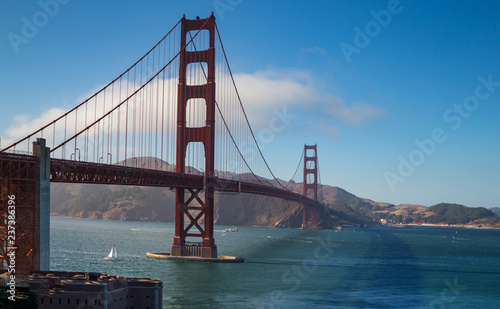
(112, 254)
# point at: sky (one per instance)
(401, 97)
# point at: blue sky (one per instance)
(369, 79)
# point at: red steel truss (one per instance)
(70, 171)
(17, 184)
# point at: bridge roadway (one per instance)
(71, 171)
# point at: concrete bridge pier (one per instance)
(42, 206)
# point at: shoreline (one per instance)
(414, 224)
(445, 225)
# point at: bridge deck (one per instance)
(84, 172)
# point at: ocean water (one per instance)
(379, 267)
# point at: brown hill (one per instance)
(346, 207)
(157, 204)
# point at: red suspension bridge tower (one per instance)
(310, 184)
(189, 203)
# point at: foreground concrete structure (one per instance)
(57, 289)
(42, 206)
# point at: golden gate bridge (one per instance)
(178, 103)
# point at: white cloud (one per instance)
(264, 90)
(328, 130)
(355, 113)
(24, 124)
(314, 50)
(262, 93)
(295, 90)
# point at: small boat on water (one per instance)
(112, 256)
(232, 229)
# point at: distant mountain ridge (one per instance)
(157, 204)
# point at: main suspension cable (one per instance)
(244, 113)
(134, 93)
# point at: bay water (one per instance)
(376, 267)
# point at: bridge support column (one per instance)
(42, 205)
(310, 183)
(194, 207)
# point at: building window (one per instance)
(147, 296)
(41, 300)
(59, 300)
(50, 300)
(132, 296)
(69, 301)
(86, 301)
(77, 301)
